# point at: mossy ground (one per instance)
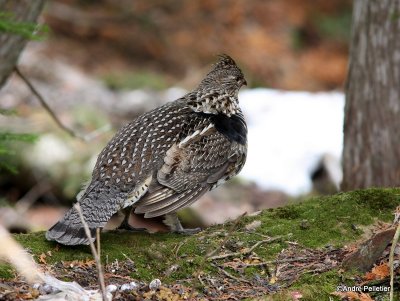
(315, 223)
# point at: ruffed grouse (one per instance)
(166, 159)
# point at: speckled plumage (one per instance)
(167, 158)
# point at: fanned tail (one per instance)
(97, 206)
(69, 230)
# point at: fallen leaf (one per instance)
(42, 258)
(382, 271)
(348, 295)
(79, 263)
(378, 272)
(235, 264)
(252, 260)
(353, 296)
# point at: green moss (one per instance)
(287, 212)
(333, 219)
(313, 287)
(6, 271)
(318, 287)
(378, 199)
(27, 30)
(329, 220)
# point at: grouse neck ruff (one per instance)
(234, 127)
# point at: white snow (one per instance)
(288, 134)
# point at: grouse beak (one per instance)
(244, 83)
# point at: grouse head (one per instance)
(218, 91)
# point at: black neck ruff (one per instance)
(234, 128)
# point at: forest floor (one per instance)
(289, 253)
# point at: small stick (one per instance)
(233, 227)
(231, 276)
(256, 245)
(259, 264)
(204, 259)
(94, 252)
(98, 241)
(178, 247)
(287, 260)
(111, 275)
(43, 102)
(247, 251)
(129, 259)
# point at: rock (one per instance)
(155, 284)
(48, 289)
(305, 224)
(369, 251)
(253, 225)
(111, 288)
(36, 286)
(129, 286)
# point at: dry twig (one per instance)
(128, 258)
(98, 242)
(259, 264)
(204, 260)
(178, 247)
(233, 227)
(231, 276)
(246, 251)
(94, 252)
(12, 252)
(43, 102)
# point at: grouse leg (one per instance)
(172, 221)
(125, 223)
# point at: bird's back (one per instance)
(139, 147)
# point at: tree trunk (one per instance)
(12, 44)
(371, 154)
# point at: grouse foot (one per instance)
(188, 231)
(172, 221)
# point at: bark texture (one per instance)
(11, 44)
(371, 154)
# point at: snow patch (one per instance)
(289, 132)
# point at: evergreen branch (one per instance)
(7, 136)
(28, 30)
(7, 112)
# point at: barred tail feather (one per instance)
(97, 206)
(68, 232)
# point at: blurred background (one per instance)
(102, 63)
